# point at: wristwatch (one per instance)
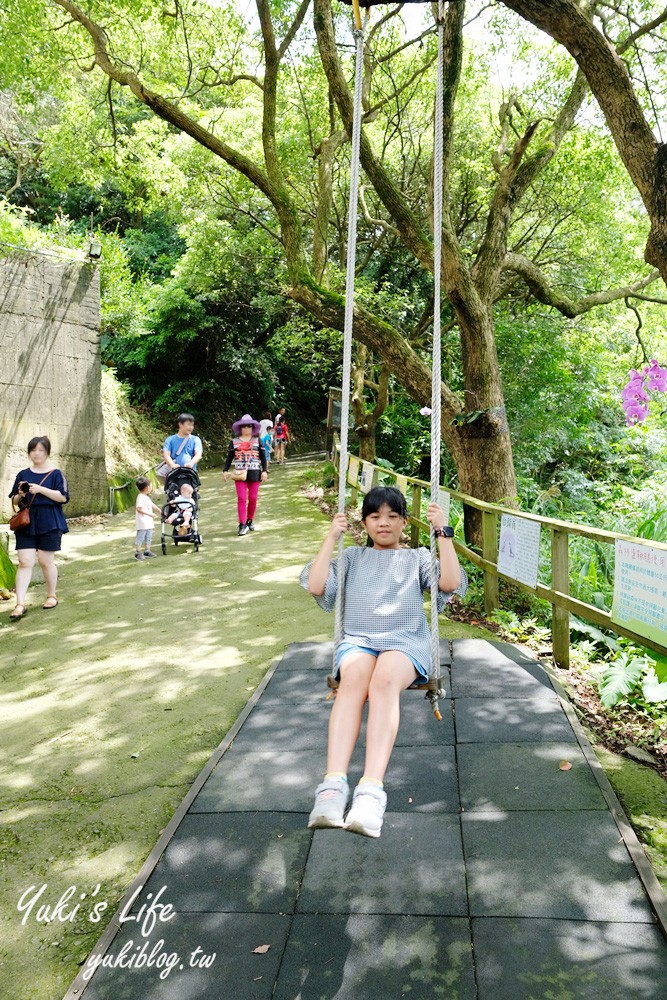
(446, 532)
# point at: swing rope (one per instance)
(435, 690)
(358, 32)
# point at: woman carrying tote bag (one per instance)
(249, 458)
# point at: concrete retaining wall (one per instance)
(50, 374)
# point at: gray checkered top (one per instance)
(384, 598)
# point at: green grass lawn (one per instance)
(111, 704)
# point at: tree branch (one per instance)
(294, 27)
(367, 216)
(411, 231)
(218, 81)
(543, 292)
(643, 30)
(488, 263)
(640, 324)
(645, 159)
(382, 338)
(164, 108)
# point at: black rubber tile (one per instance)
(359, 957)
(495, 777)
(234, 972)
(308, 657)
(264, 781)
(423, 780)
(419, 726)
(414, 868)
(571, 865)
(482, 669)
(471, 650)
(241, 862)
(536, 959)
(518, 720)
(296, 687)
(278, 724)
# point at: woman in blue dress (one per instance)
(44, 489)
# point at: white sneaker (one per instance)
(330, 801)
(367, 811)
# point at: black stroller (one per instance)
(182, 512)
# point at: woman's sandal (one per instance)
(14, 617)
(51, 597)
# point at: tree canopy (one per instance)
(233, 129)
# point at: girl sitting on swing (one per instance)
(385, 648)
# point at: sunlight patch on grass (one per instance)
(286, 574)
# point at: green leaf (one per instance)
(619, 679)
(585, 628)
(652, 689)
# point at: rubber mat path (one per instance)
(501, 873)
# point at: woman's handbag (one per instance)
(163, 469)
(239, 475)
(21, 519)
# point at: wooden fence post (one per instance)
(560, 580)
(490, 553)
(416, 513)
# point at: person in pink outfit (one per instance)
(250, 469)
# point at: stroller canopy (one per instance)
(178, 477)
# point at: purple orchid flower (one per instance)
(635, 413)
(657, 377)
(634, 391)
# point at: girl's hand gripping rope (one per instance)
(435, 515)
(338, 527)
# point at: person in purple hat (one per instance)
(247, 454)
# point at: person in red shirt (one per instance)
(281, 437)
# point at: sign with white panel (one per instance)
(640, 589)
(519, 549)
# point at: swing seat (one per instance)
(433, 688)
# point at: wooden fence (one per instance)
(558, 594)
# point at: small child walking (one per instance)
(266, 440)
(144, 517)
(385, 648)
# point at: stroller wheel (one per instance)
(164, 547)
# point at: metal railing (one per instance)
(558, 594)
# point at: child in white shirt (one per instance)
(144, 518)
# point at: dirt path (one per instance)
(110, 705)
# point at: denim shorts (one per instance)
(350, 647)
(144, 536)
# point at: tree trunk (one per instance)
(367, 450)
(484, 458)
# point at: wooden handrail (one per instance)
(558, 595)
